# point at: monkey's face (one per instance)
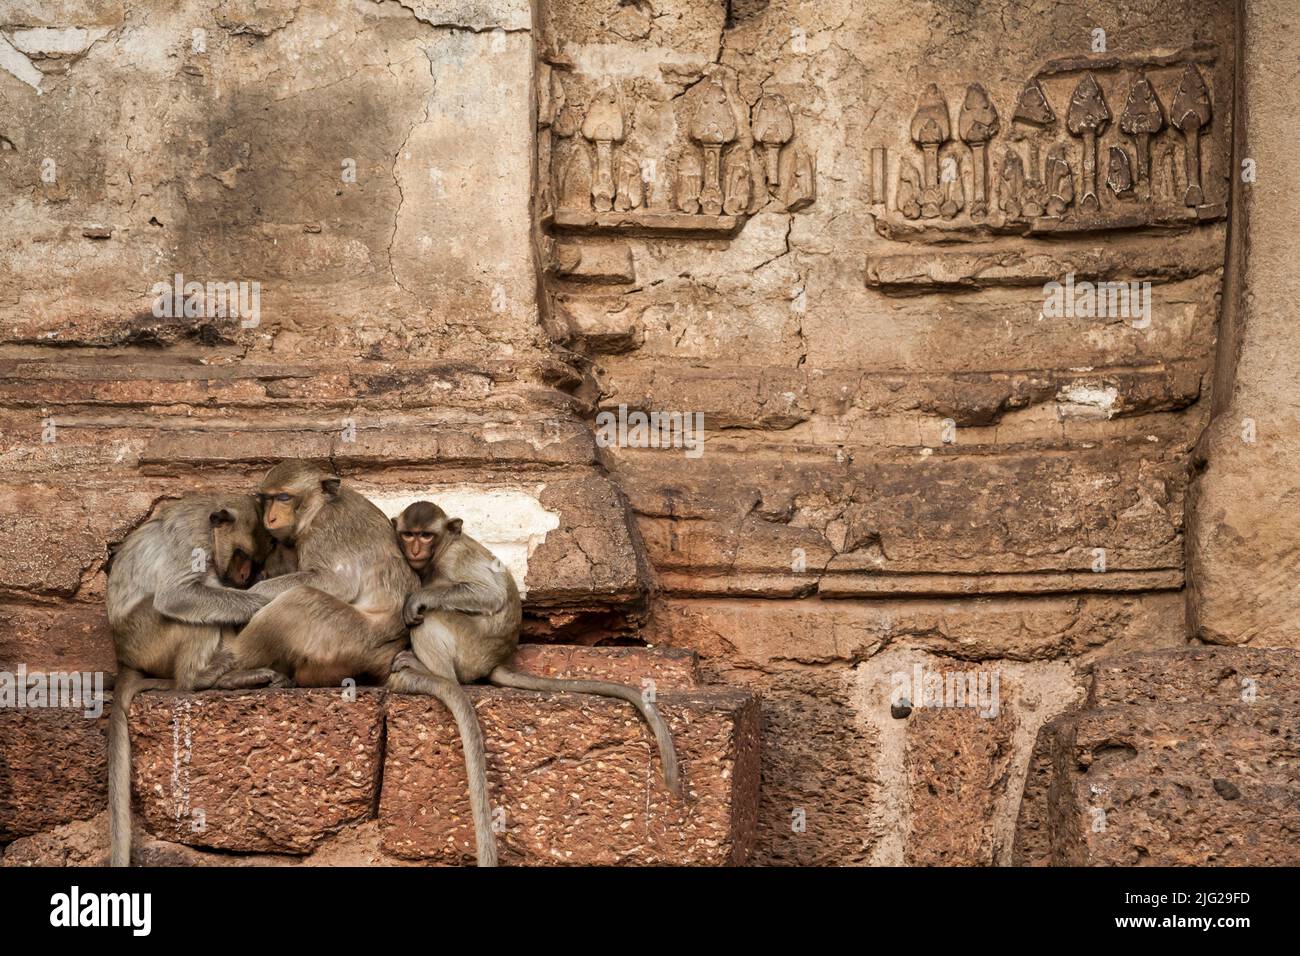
(291, 495)
(279, 513)
(421, 531)
(417, 546)
(238, 542)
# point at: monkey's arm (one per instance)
(326, 581)
(468, 597)
(197, 603)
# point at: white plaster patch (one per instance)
(62, 40)
(1082, 400)
(509, 522)
(13, 62)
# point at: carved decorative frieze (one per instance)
(729, 160)
(1089, 147)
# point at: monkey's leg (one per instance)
(128, 683)
(504, 677)
(202, 664)
(415, 679)
(245, 680)
(316, 638)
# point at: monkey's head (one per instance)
(292, 494)
(238, 542)
(423, 529)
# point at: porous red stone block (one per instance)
(268, 771)
(1227, 675)
(576, 780)
(957, 764)
(667, 667)
(53, 768)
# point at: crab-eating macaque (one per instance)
(465, 622)
(173, 594)
(283, 559)
(339, 615)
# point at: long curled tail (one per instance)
(454, 698)
(127, 684)
(504, 677)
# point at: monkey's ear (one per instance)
(330, 486)
(221, 516)
(454, 525)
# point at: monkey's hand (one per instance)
(198, 604)
(413, 613)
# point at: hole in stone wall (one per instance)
(738, 11)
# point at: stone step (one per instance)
(1238, 740)
(579, 781)
(1226, 675)
(1176, 820)
(282, 772)
(1168, 738)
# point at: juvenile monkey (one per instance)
(465, 622)
(339, 615)
(172, 595)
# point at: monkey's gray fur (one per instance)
(339, 615)
(169, 606)
(465, 623)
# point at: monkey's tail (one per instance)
(454, 698)
(128, 683)
(504, 677)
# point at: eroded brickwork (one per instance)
(487, 234)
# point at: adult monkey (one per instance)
(465, 623)
(339, 615)
(172, 596)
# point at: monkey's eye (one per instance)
(426, 535)
(284, 496)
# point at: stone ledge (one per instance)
(1199, 675)
(668, 667)
(53, 768)
(1171, 766)
(268, 771)
(284, 772)
(579, 781)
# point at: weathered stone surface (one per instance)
(1179, 821)
(1176, 763)
(268, 771)
(1199, 675)
(821, 785)
(344, 263)
(759, 633)
(1242, 559)
(85, 843)
(593, 262)
(957, 763)
(914, 273)
(669, 668)
(1199, 786)
(767, 526)
(53, 768)
(905, 454)
(61, 637)
(550, 757)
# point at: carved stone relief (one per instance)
(728, 159)
(1089, 146)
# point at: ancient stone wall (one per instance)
(488, 234)
(909, 459)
